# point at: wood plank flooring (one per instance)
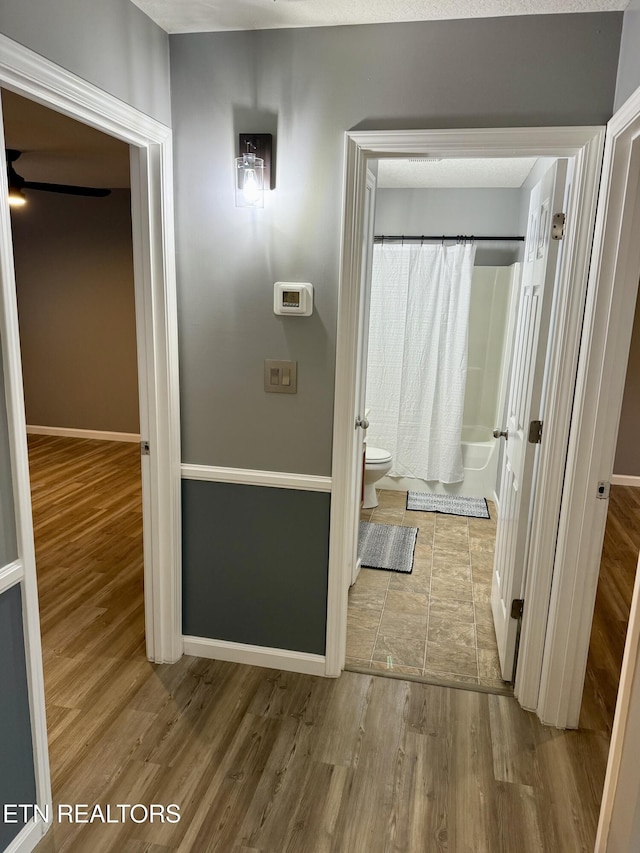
(262, 761)
(613, 600)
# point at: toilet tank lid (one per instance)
(376, 454)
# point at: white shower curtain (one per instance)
(417, 361)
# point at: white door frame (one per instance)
(585, 145)
(608, 322)
(30, 75)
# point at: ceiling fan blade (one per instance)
(68, 189)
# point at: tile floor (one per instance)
(434, 624)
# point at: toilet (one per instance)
(377, 463)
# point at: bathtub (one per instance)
(480, 453)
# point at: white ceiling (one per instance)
(192, 16)
(469, 173)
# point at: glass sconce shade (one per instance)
(249, 181)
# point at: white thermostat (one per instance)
(293, 297)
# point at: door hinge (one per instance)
(535, 432)
(144, 448)
(557, 226)
(517, 608)
(603, 490)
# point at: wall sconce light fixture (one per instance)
(253, 169)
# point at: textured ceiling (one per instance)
(470, 173)
(59, 149)
(192, 16)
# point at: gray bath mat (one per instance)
(387, 546)
(449, 504)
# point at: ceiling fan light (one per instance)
(16, 197)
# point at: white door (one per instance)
(524, 404)
(361, 369)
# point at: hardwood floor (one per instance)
(260, 760)
(613, 600)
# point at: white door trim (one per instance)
(35, 77)
(622, 795)
(613, 285)
(584, 144)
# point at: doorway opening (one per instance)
(582, 146)
(74, 274)
(149, 144)
(443, 331)
(618, 561)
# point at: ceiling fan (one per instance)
(17, 184)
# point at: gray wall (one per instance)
(627, 460)
(17, 779)
(74, 279)
(111, 44)
(307, 86)
(484, 212)
(629, 64)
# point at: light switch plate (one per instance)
(280, 377)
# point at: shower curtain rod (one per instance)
(380, 238)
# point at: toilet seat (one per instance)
(376, 456)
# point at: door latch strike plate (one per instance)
(144, 448)
(603, 490)
(557, 226)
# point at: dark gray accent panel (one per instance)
(307, 87)
(17, 779)
(110, 44)
(8, 543)
(255, 565)
(629, 64)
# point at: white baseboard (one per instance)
(625, 480)
(255, 655)
(69, 432)
(28, 837)
(248, 477)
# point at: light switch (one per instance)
(280, 377)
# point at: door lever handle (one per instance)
(501, 433)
